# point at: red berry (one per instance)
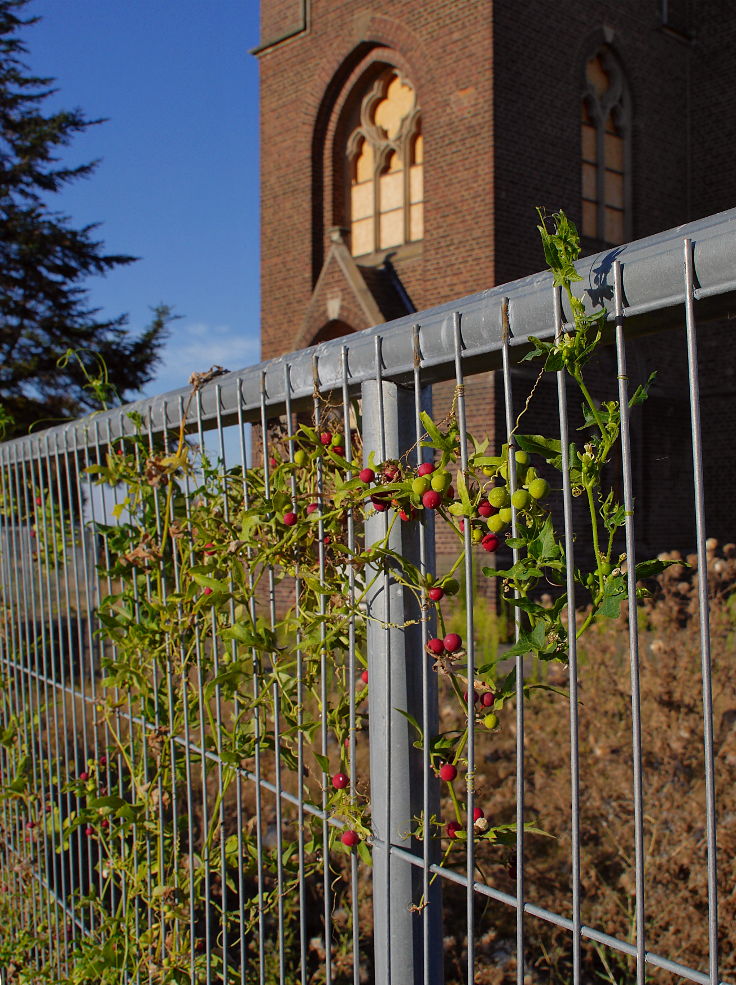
(452, 642)
(436, 646)
(312, 508)
(436, 594)
(477, 814)
(452, 829)
(406, 517)
(103, 760)
(30, 825)
(475, 697)
(485, 509)
(350, 838)
(121, 451)
(325, 438)
(490, 542)
(289, 519)
(461, 525)
(272, 462)
(104, 824)
(450, 492)
(379, 505)
(338, 449)
(89, 830)
(39, 501)
(340, 781)
(364, 677)
(487, 699)
(448, 772)
(84, 777)
(207, 591)
(431, 499)
(199, 945)
(366, 475)
(425, 469)
(208, 548)
(391, 473)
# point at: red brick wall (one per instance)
(446, 49)
(500, 85)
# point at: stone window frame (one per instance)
(615, 103)
(403, 144)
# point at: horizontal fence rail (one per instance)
(264, 717)
(651, 287)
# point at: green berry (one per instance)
(499, 497)
(522, 457)
(441, 481)
(490, 720)
(538, 488)
(505, 514)
(420, 485)
(496, 523)
(300, 457)
(476, 535)
(520, 499)
(451, 586)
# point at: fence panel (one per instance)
(265, 719)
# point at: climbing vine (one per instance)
(209, 672)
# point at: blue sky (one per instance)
(177, 183)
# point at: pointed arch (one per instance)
(380, 163)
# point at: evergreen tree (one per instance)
(44, 261)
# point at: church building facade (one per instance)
(404, 147)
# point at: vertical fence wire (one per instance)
(257, 717)
(324, 724)
(427, 624)
(509, 411)
(238, 712)
(352, 668)
(300, 768)
(703, 607)
(571, 645)
(276, 704)
(459, 402)
(387, 827)
(636, 728)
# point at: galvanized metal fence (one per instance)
(386, 922)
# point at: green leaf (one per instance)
(323, 761)
(647, 569)
(113, 802)
(412, 721)
(642, 391)
(205, 581)
(529, 642)
(614, 593)
(537, 444)
(462, 489)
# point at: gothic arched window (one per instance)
(385, 168)
(605, 127)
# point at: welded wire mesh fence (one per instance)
(231, 692)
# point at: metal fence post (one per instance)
(407, 940)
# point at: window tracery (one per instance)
(385, 161)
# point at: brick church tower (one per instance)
(405, 146)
